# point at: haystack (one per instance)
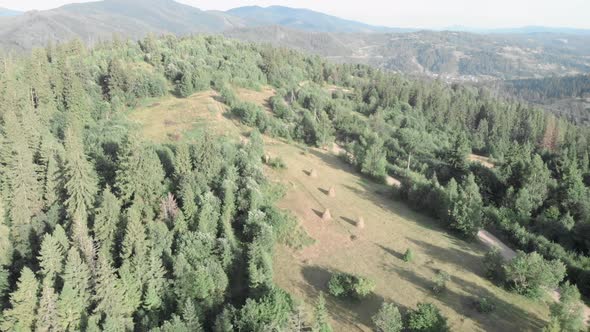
(360, 223)
(332, 192)
(327, 216)
(267, 158)
(313, 173)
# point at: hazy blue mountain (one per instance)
(304, 19)
(8, 12)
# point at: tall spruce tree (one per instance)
(22, 179)
(106, 220)
(23, 302)
(74, 298)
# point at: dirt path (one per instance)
(491, 241)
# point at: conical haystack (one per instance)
(332, 192)
(327, 216)
(313, 173)
(267, 158)
(360, 223)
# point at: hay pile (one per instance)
(332, 192)
(327, 216)
(360, 224)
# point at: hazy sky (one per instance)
(408, 13)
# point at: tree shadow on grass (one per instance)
(349, 311)
(392, 252)
(318, 213)
(348, 220)
(324, 191)
(462, 259)
(506, 316)
(333, 161)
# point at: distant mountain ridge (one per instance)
(305, 19)
(527, 52)
(94, 21)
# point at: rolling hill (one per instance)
(304, 19)
(100, 20)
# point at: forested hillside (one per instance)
(104, 230)
(451, 56)
(567, 96)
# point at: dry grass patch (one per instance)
(485, 161)
(261, 97)
(173, 118)
(376, 252)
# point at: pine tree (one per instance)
(106, 220)
(75, 294)
(81, 184)
(74, 98)
(4, 274)
(209, 214)
(110, 296)
(140, 175)
(21, 315)
(156, 283)
(228, 208)
(191, 317)
(22, 179)
(388, 319)
(569, 311)
(182, 161)
(51, 258)
(134, 252)
(374, 160)
(47, 315)
(5, 243)
(81, 188)
(466, 210)
(52, 185)
(320, 314)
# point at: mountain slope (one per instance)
(303, 19)
(99, 20)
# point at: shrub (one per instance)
(388, 319)
(408, 256)
(493, 264)
(427, 317)
(351, 286)
(440, 281)
(529, 274)
(485, 305)
(277, 163)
